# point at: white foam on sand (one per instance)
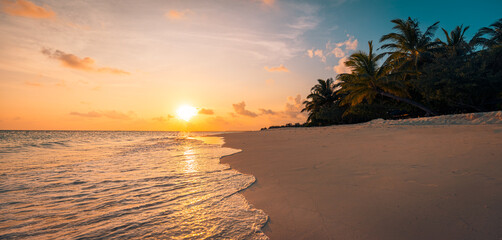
(454, 119)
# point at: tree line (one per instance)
(416, 74)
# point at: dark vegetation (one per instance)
(416, 74)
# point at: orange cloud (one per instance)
(176, 15)
(33, 84)
(268, 2)
(294, 106)
(338, 52)
(163, 119)
(109, 114)
(281, 68)
(341, 67)
(206, 111)
(350, 44)
(266, 111)
(310, 52)
(240, 108)
(24, 8)
(91, 114)
(86, 64)
(292, 110)
(320, 54)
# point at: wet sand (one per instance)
(375, 182)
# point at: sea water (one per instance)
(103, 185)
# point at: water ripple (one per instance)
(81, 185)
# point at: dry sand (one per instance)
(375, 181)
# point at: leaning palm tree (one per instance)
(368, 80)
(409, 45)
(322, 95)
(455, 42)
(494, 33)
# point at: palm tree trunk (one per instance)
(409, 101)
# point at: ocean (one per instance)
(106, 185)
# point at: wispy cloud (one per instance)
(163, 119)
(280, 68)
(206, 111)
(24, 8)
(85, 64)
(91, 114)
(241, 30)
(33, 84)
(108, 114)
(240, 108)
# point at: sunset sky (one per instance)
(244, 64)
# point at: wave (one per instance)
(160, 186)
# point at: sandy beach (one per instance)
(375, 180)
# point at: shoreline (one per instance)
(373, 181)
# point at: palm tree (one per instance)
(408, 45)
(494, 33)
(455, 43)
(368, 80)
(323, 95)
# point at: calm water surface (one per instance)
(162, 185)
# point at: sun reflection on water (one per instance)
(190, 160)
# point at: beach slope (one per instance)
(377, 180)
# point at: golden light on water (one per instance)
(186, 112)
(190, 163)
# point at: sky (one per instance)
(243, 64)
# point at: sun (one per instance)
(186, 112)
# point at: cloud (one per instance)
(268, 2)
(85, 64)
(266, 111)
(112, 71)
(108, 114)
(206, 111)
(281, 68)
(310, 53)
(24, 8)
(317, 53)
(320, 54)
(33, 84)
(91, 114)
(338, 52)
(176, 14)
(292, 109)
(163, 119)
(240, 108)
(341, 67)
(350, 44)
(293, 106)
